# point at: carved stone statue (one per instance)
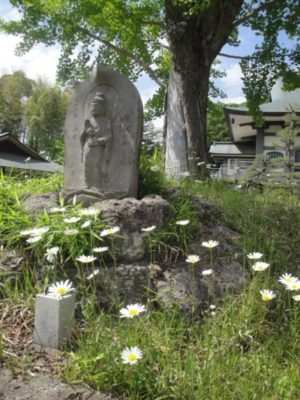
(96, 144)
(103, 133)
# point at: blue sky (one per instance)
(41, 61)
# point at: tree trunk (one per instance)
(195, 40)
(175, 133)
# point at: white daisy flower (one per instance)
(51, 253)
(60, 288)
(210, 244)
(34, 239)
(131, 355)
(260, 266)
(71, 220)
(86, 259)
(109, 231)
(296, 297)
(57, 210)
(193, 259)
(27, 232)
(286, 279)
(132, 310)
(254, 256)
(294, 285)
(267, 295)
(93, 274)
(100, 249)
(89, 212)
(149, 228)
(35, 231)
(183, 222)
(212, 307)
(41, 230)
(86, 224)
(207, 272)
(70, 232)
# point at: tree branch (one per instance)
(283, 54)
(122, 52)
(264, 6)
(236, 57)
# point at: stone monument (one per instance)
(103, 133)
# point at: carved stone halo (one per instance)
(109, 95)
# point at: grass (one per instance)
(244, 349)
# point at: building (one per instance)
(16, 155)
(249, 141)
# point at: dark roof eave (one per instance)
(233, 155)
(22, 146)
(237, 111)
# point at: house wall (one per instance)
(273, 142)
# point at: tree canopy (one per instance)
(143, 36)
(45, 113)
(34, 112)
(14, 90)
(131, 36)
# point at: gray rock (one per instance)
(11, 261)
(182, 287)
(44, 387)
(128, 283)
(131, 279)
(132, 215)
(186, 287)
(39, 202)
(207, 212)
(103, 132)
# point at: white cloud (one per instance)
(40, 62)
(9, 13)
(232, 83)
(235, 100)
(233, 76)
(146, 88)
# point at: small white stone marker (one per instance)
(54, 319)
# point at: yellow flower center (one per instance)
(266, 297)
(131, 357)
(61, 290)
(294, 286)
(132, 312)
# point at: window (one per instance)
(273, 154)
(297, 156)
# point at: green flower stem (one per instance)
(150, 248)
(184, 238)
(211, 259)
(113, 254)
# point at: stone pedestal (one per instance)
(54, 319)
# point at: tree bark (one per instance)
(175, 139)
(195, 41)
